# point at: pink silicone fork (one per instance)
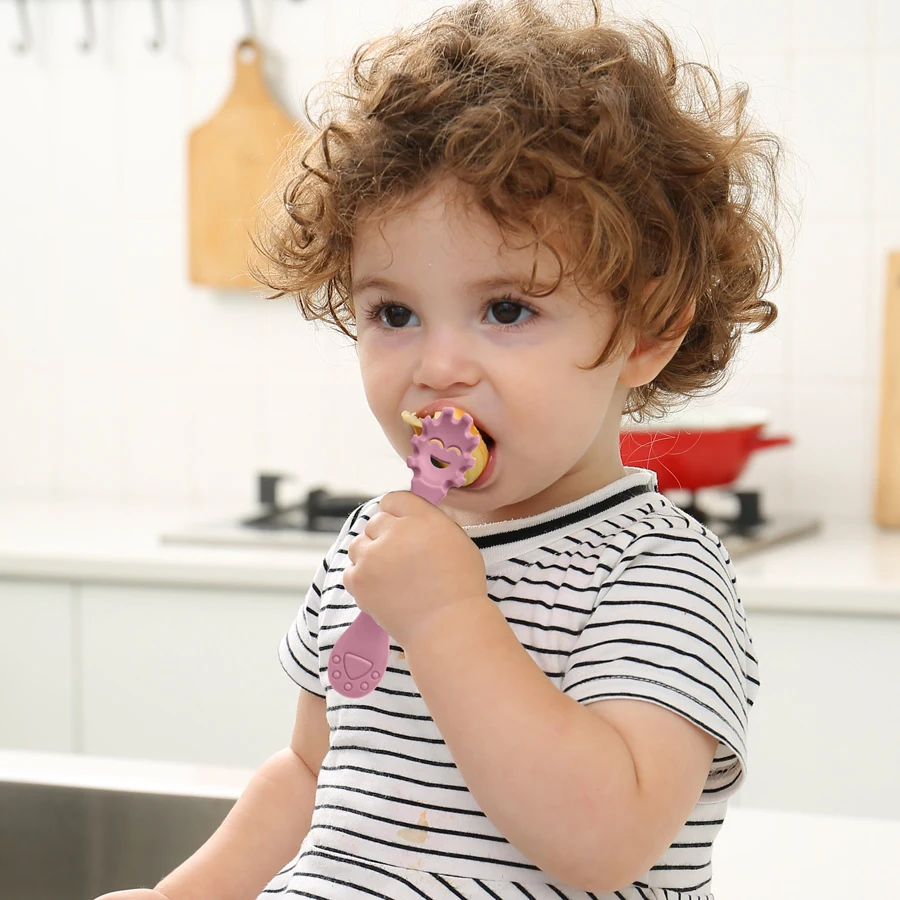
(358, 659)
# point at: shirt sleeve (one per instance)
(299, 648)
(669, 628)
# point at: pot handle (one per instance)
(761, 443)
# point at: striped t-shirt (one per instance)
(618, 594)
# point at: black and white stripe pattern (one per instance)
(619, 594)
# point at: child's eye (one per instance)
(394, 316)
(508, 308)
(390, 316)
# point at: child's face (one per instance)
(445, 335)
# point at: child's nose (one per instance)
(446, 358)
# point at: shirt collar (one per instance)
(497, 540)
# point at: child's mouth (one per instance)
(488, 444)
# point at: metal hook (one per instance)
(248, 15)
(24, 45)
(157, 41)
(87, 42)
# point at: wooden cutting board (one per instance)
(231, 167)
(887, 499)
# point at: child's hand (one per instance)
(411, 562)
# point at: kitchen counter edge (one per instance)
(846, 569)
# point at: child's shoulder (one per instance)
(661, 523)
(652, 543)
(653, 519)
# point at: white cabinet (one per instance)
(37, 666)
(155, 672)
(189, 674)
(192, 674)
(825, 729)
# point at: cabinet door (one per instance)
(36, 670)
(825, 731)
(186, 674)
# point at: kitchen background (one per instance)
(120, 380)
(134, 403)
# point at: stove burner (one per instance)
(320, 512)
(750, 530)
(748, 519)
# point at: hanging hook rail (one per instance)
(159, 38)
(87, 42)
(23, 45)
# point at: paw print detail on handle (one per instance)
(448, 441)
(357, 661)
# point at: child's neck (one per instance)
(572, 486)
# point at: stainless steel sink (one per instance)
(69, 843)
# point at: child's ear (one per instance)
(649, 356)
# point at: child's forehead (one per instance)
(389, 260)
(446, 220)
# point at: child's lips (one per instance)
(437, 405)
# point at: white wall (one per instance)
(120, 380)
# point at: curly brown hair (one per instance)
(651, 168)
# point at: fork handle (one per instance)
(357, 661)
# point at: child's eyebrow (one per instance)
(494, 283)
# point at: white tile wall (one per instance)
(29, 397)
(740, 29)
(118, 378)
(837, 27)
(885, 183)
(832, 287)
(830, 130)
(885, 25)
(834, 471)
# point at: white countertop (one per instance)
(759, 853)
(104, 542)
(848, 568)
(843, 569)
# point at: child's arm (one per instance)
(264, 829)
(593, 795)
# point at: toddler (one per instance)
(564, 710)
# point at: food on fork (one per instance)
(480, 454)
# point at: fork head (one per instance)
(442, 454)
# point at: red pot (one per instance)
(699, 449)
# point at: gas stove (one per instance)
(735, 516)
(310, 524)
